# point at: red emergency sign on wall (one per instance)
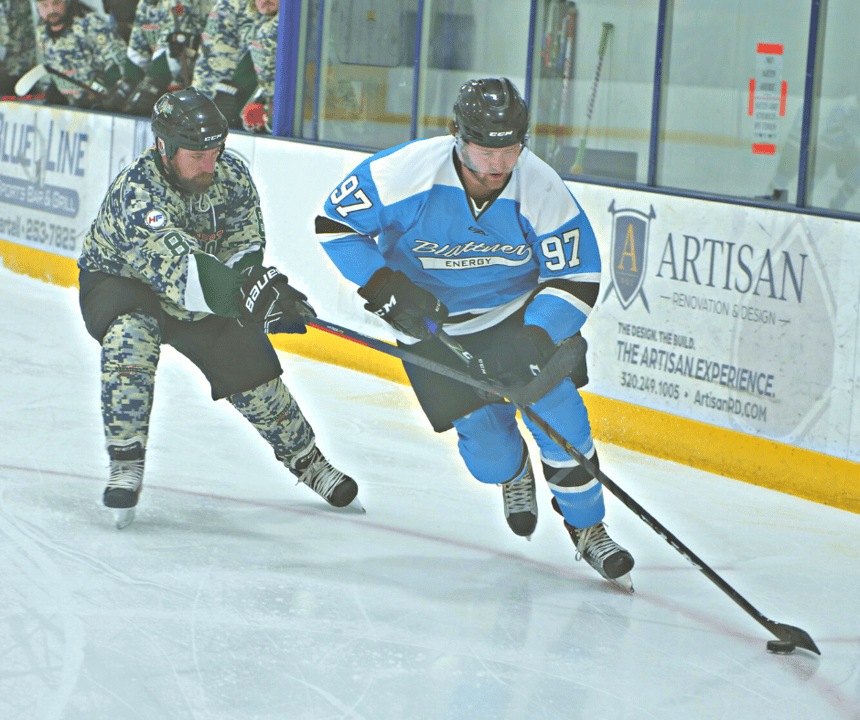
(767, 98)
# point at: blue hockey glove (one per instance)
(268, 300)
(402, 304)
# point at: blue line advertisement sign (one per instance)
(50, 161)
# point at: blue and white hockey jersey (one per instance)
(406, 208)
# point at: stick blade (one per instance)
(29, 79)
(796, 636)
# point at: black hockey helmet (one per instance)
(491, 113)
(187, 119)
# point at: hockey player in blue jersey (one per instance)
(473, 233)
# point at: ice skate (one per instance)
(520, 504)
(594, 545)
(337, 489)
(126, 480)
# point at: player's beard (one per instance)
(55, 21)
(484, 184)
(198, 184)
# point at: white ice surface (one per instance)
(237, 595)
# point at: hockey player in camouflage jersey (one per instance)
(174, 257)
(83, 45)
(17, 43)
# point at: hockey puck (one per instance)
(780, 647)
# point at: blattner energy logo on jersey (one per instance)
(629, 253)
(434, 256)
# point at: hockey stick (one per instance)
(569, 21)
(789, 636)
(565, 359)
(601, 51)
(29, 79)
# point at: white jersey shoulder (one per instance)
(414, 168)
(545, 200)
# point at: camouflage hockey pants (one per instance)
(239, 362)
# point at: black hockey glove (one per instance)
(7, 84)
(118, 95)
(182, 43)
(227, 100)
(53, 96)
(143, 98)
(93, 100)
(402, 304)
(268, 300)
(523, 356)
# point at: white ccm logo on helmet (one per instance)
(212, 137)
(501, 133)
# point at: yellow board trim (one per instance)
(804, 473)
(807, 474)
(39, 264)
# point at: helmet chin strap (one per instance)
(458, 146)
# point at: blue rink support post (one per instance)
(286, 68)
(788, 636)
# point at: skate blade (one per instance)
(624, 582)
(355, 507)
(123, 517)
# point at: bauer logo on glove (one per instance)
(257, 288)
(269, 301)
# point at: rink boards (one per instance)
(725, 337)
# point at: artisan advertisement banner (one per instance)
(738, 317)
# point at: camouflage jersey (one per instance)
(89, 50)
(260, 37)
(220, 46)
(188, 17)
(17, 38)
(145, 33)
(154, 21)
(187, 248)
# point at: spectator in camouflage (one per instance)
(220, 45)
(261, 39)
(161, 54)
(17, 43)
(145, 32)
(123, 13)
(81, 44)
(246, 98)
